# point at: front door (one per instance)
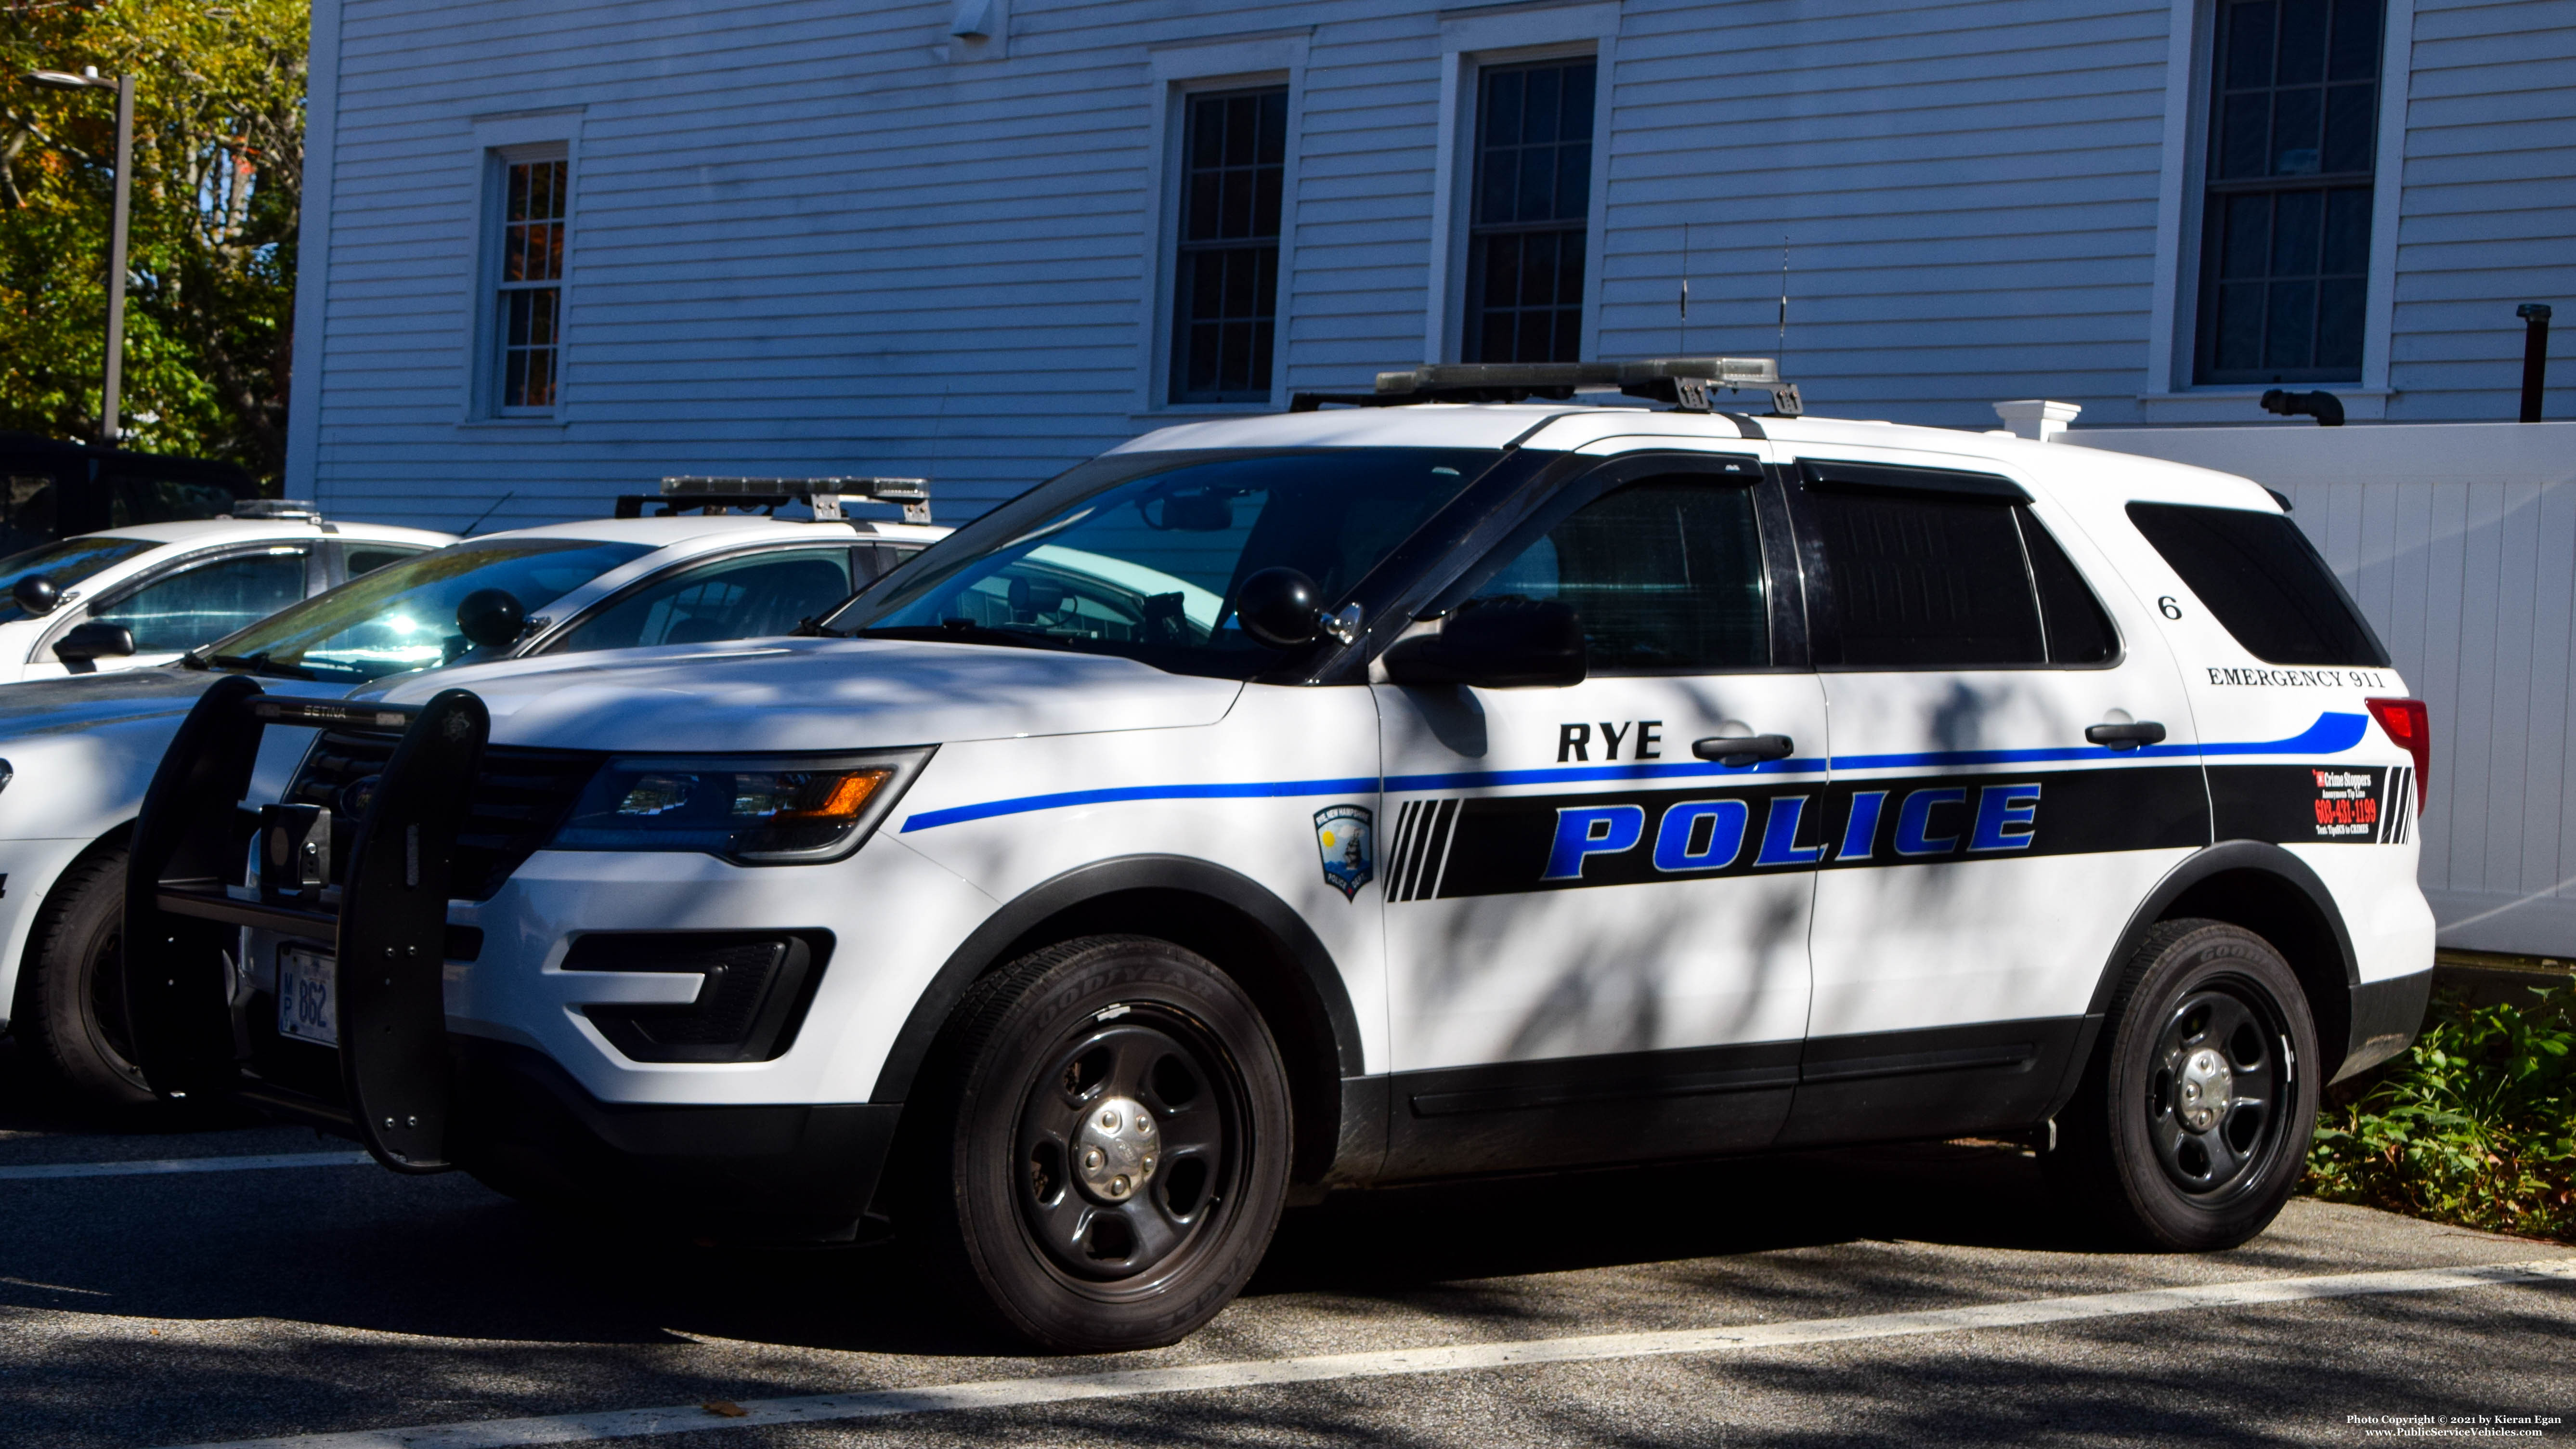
(1597, 938)
(2014, 768)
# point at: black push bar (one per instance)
(387, 921)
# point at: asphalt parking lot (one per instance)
(1902, 1296)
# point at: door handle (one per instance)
(1737, 751)
(2125, 736)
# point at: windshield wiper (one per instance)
(966, 631)
(814, 628)
(260, 663)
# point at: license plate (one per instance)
(307, 1006)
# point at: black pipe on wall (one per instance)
(2535, 355)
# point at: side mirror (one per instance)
(88, 643)
(1279, 608)
(36, 594)
(491, 618)
(1500, 643)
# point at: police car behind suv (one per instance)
(1354, 796)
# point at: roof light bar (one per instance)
(824, 495)
(274, 510)
(1685, 382)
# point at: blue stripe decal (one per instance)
(1578, 774)
(1249, 790)
(2332, 734)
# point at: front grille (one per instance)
(519, 798)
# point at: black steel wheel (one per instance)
(1132, 1144)
(2213, 1097)
(2191, 1128)
(1101, 1153)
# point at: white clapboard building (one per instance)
(556, 249)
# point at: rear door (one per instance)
(2014, 768)
(1597, 940)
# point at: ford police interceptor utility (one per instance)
(1357, 795)
(75, 755)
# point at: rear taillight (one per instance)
(2411, 726)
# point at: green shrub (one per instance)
(2475, 1126)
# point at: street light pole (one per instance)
(110, 401)
(110, 414)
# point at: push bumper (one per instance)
(2385, 1017)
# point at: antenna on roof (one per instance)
(1782, 350)
(1681, 330)
(488, 512)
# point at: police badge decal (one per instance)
(1342, 833)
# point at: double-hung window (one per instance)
(2285, 249)
(528, 301)
(1531, 210)
(1226, 272)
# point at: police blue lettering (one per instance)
(1584, 831)
(2000, 808)
(1780, 834)
(1914, 822)
(1860, 832)
(1726, 819)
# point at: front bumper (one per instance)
(778, 1173)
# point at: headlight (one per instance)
(753, 809)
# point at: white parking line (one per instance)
(185, 1164)
(1200, 1378)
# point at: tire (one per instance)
(71, 992)
(1037, 1189)
(2191, 1127)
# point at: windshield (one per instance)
(403, 616)
(1141, 554)
(66, 563)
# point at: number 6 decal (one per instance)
(2167, 607)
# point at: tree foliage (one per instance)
(218, 172)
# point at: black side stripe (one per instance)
(1423, 830)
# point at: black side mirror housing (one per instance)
(1500, 643)
(491, 618)
(36, 593)
(1278, 607)
(86, 644)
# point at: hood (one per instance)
(80, 751)
(92, 701)
(819, 694)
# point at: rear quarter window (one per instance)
(2264, 581)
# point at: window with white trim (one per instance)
(2293, 130)
(1225, 291)
(527, 325)
(1530, 212)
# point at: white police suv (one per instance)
(76, 754)
(1352, 796)
(147, 593)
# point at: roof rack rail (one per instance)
(1685, 382)
(824, 495)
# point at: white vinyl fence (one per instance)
(2459, 541)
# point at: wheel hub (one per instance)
(2205, 1087)
(1117, 1150)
